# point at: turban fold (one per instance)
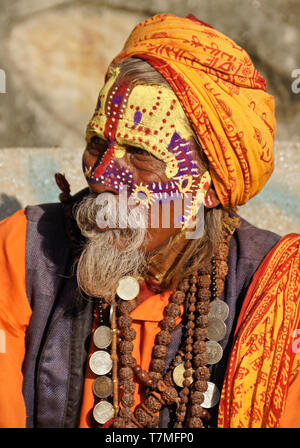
(222, 94)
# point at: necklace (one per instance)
(205, 326)
(206, 314)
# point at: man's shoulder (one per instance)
(254, 242)
(13, 227)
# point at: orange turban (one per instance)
(222, 94)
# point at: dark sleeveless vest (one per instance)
(57, 339)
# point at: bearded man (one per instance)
(110, 317)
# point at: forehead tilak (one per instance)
(115, 106)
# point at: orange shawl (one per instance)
(264, 355)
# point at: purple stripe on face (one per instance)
(118, 99)
(137, 117)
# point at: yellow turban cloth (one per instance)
(222, 94)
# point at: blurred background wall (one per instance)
(55, 54)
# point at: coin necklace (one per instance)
(160, 390)
(101, 364)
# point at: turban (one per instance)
(222, 94)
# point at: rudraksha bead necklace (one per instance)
(197, 292)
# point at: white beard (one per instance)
(108, 255)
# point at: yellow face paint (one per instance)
(149, 117)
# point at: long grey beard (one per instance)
(107, 256)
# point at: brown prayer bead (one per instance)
(183, 285)
(200, 360)
(160, 351)
(129, 334)
(168, 378)
(204, 281)
(202, 373)
(126, 373)
(142, 417)
(126, 347)
(178, 297)
(193, 289)
(188, 364)
(163, 337)
(200, 333)
(204, 294)
(219, 286)
(155, 376)
(197, 397)
(158, 365)
(181, 417)
(173, 310)
(192, 308)
(199, 347)
(127, 400)
(129, 386)
(195, 422)
(124, 321)
(186, 382)
(153, 404)
(168, 323)
(127, 360)
(221, 269)
(126, 413)
(189, 347)
(126, 307)
(196, 410)
(203, 307)
(222, 251)
(193, 299)
(202, 321)
(200, 386)
(169, 395)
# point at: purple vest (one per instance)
(58, 336)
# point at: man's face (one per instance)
(139, 139)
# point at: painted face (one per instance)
(149, 118)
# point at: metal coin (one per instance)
(214, 352)
(100, 362)
(102, 336)
(216, 330)
(103, 412)
(128, 288)
(178, 375)
(211, 396)
(102, 387)
(219, 309)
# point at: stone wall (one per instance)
(55, 53)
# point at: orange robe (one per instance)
(15, 314)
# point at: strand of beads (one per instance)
(127, 291)
(101, 364)
(164, 394)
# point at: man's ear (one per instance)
(211, 199)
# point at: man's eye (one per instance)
(97, 146)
